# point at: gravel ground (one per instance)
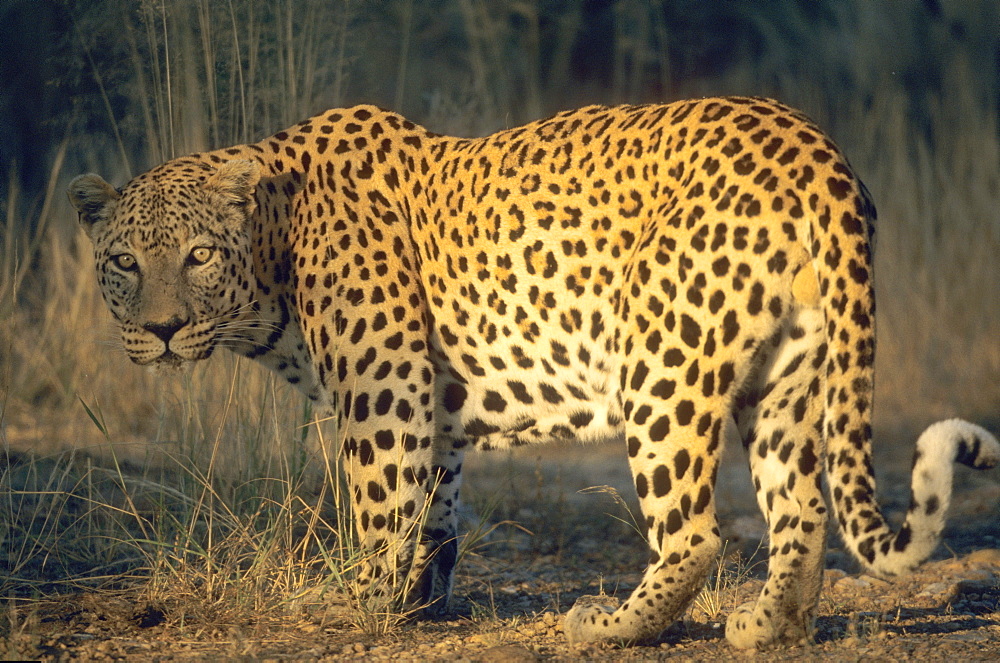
(950, 609)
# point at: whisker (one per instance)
(250, 324)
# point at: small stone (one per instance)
(848, 583)
(831, 576)
(980, 574)
(874, 582)
(988, 556)
(511, 653)
(944, 591)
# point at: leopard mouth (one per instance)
(170, 359)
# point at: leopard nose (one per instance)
(165, 330)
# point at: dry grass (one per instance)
(207, 487)
(936, 260)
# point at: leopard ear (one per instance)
(235, 181)
(94, 200)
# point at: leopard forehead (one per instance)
(165, 208)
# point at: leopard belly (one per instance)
(570, 393)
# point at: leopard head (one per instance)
(173, 257)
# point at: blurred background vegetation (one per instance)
(126, 84)
(909, 88)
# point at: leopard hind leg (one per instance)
(780, 418)
(674, 448)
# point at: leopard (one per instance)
(677, 276)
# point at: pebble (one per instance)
(989, 556)
(848, 583)
(939, 589)
(876, 583)
(512, 653)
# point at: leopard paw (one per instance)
(590, 619)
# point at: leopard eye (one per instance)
(200, 255)
(125, 262)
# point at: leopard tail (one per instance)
(841, 246)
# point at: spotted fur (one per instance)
(670, 274)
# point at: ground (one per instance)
(949, 610)
(517, 582)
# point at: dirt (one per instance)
(513, 589)
(505, 611)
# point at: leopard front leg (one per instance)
(388, 476)
(405, 504)
(389, 460)
(674, 478)
(437, 551)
